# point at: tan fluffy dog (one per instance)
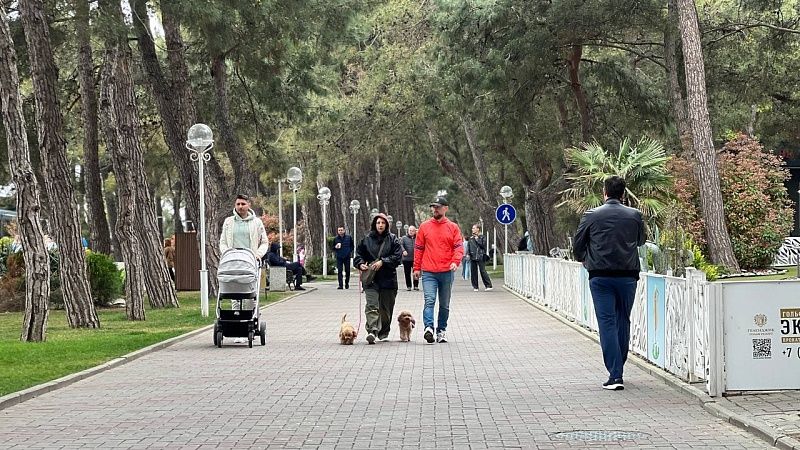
(406, 322)
(347, 334)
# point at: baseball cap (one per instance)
(439, 201)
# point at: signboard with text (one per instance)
(762, 335)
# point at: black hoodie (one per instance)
(367, 252)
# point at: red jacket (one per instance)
(439, 244)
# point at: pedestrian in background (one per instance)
(438, 251)
(465, 265)
(169, 257)
(343, 247)
(476, 248)
(407, 242)
(607, 244)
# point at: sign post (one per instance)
(505, 215)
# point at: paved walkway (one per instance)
(511, 376)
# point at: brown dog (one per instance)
(406, 323)
(347, 334)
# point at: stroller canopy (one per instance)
(237, 266)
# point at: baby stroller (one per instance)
(239, 275)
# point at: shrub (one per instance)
(758, 211)
(104, 278)
(12, 284)
(5, 249)
(314, 265)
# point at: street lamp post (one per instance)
(324, 197)
(399, 225)
(354, 207)
(295, 178)
(280, 217)
(372, 213)
(506, 193)
(199, 142)
(389, 225)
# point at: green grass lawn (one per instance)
(66, 351)
(791, 274)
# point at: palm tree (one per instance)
(643, 166)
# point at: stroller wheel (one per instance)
(215, 334)
(250, 337)
(262, 332)
(219, 339)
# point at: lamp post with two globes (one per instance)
(295, 178)
(199, 142)
(355, 205)
(324, 197)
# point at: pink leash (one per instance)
(360, 291)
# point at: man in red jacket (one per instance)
(437, 252)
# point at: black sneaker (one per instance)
(614, 384)
(370, 339)
(428, 335)
(299, 288)
(339, 287)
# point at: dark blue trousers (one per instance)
(613, 301)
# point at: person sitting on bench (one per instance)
(274, 259)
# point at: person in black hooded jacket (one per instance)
(381, 251)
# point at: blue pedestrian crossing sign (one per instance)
(505, 214)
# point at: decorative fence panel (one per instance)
(669, 318)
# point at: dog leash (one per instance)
(360, 291)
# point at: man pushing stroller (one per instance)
(244, 229)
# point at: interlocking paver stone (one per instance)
(510, 377)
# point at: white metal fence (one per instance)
(669, 322)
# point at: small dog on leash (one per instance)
(347, 333)
(406, 323)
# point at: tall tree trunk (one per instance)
(677, 104)
(563, 121)
(100, 235)
(244, 181)
(126, 122)
(477, 156)
(37, 267)
(126, 187)
(175, 103)
(75, 283)
(706, 171)
(573, 64)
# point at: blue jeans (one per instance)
(433, 282)
(613, 301)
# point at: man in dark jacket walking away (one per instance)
(380, 251)
(607, 243)
(477, 258)
(343, 248)
(407, 242)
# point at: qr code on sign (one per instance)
(762, 348)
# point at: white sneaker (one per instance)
(487, 289)
(239, 340)
(441, 337)
(474, 290)
(428, 335)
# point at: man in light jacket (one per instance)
(244, 230)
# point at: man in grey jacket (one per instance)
(607, 243)
(407, 242)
